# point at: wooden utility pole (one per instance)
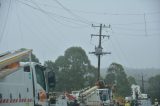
(99, 50)
(142, 84)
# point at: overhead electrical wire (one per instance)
(73, 14)
(60, 16)
(100, 13)
(56, 30)
(135, 35)
(115, 56)
(43, 40)
(127, 29)
(39, 9)
(136, 23)
(5, 23)
(119, 14)
(19, 25)
(49, 14)
(82, 21)
(138, 32)
(69, 20)
(122, 52)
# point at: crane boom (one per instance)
(9, 58)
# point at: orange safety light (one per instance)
(42, 96)
(13, 65)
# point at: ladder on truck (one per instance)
(9, 61)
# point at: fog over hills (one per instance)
(137, 74)
(147, 73)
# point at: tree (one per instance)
(154, 87)
(51, 65)
(117, 76)
(131, 80)
(74, 70)
(33, 57)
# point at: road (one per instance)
(63, 102)
(145, 103)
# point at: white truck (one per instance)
(97, 96)
(23, 84)
(136, 92)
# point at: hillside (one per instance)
(137, 74)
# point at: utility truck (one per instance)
(136, 92)
(23, 84)
(98, 95)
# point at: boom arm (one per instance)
(11, 58)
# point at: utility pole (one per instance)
(99, 50)
(142, 84)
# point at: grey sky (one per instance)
(49, 35)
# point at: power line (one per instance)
(66, 9)
(5, 23)
(136, 23)
(136, 35)
(60, 32)
(83, 21)
(122, 52)
(45, 44)
(67, 19)
(98, 13)
(104, 13)
(116, 56)
(48, 13)
(128, 28)
(59, 16)
(120, 14)
(76, 16)
(19, 24)
(41, 10)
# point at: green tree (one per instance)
(51, 65)
(117, 76)
(74, 70)
(154, 87)
(131, 80)
(33, 57)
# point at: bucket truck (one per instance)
(23, 84)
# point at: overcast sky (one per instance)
(49, 27)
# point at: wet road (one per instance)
(145, 103)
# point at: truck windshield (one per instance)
(40, 76)
(103, 95)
